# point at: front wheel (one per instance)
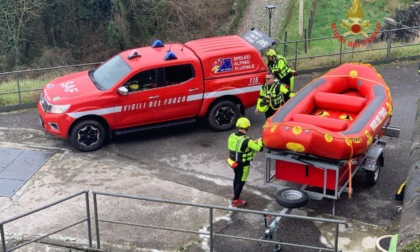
(88, 135)
(223, 115)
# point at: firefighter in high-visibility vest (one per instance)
(272, 95)
(283, 72)
(241, 150)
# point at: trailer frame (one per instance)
(370, 162)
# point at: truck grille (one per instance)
(44, 104)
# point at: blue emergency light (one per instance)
(170, 56)
(157, 43)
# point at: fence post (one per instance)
(336, 237)
(296, 54)
(18, 87)
(311, 24)
(3, 240)
(95, 210)
(88, 218)
(341, 51)
(285, 44)
(388, 48)
(211, 229)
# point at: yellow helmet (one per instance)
(270, 52)
(243, 123)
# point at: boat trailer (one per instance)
(307, 172)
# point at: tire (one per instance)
(223, 115)
(372, 176)
(277, 248)
(88, 135)
(291, 198)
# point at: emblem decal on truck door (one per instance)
(222, 65)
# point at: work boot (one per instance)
(238, 203)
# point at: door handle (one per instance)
(154, 97)
(193, 89)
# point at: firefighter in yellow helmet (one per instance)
(242, 149)
(283, 72)
(272, 95)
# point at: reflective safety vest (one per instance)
(282, 71)
(272, 96)
(236, 152)
(280, 67)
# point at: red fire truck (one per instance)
(160, 85)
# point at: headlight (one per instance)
(51, 108)
(58, 109)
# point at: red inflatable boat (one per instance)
(335, 116)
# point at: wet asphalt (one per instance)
(194, 156)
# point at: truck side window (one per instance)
(178, 74)
(142, 81)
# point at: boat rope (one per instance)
(350, 165)
(270, 104)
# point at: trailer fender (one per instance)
(374, 155)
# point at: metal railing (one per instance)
(211, 234)
(25, 94)
(349, 48)
(299, 53)
(2, 232)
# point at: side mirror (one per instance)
(122, 91)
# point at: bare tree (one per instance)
(15, 24)
(136, 22)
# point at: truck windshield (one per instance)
(110, 73)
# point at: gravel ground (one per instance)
(257, 16)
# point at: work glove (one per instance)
(295, 73)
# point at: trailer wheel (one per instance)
(223, 115)
(372, 176)
(291, 198)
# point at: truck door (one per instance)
(143, 104)
(183, 91)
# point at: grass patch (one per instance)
(412, 247)
(326, 13)
(26, 87)
(29, 89)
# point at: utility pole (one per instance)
(301, 18)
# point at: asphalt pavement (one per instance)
(187, 164)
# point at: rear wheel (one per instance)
(223, 115)
(88, 135)
(372, 176)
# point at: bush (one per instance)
(52, 57)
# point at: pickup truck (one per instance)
(154, 86)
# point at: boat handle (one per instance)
(193, 89)
(154, 97)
